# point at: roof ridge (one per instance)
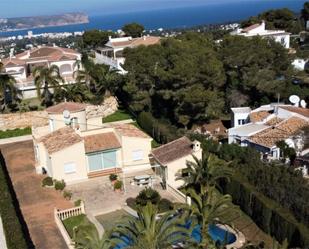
(174, 141)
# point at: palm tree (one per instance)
(74, 92)
(205, 172)
(149, 231)
(45, 77)
(98, 78)
(9, 93)
(209, 208)
(87, 237)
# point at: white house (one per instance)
(259, 30)
(112, 53)
(21, 66)
(75, 147)
(269, 124)
(169, 160)
(300, 64)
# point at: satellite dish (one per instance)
(303, 104)
(294, 99)
(66, 117)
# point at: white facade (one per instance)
(240, 116)
(279, 36)
(299, 64)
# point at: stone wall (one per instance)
(22, 120)
(40, 118)
(108, 107)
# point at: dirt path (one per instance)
(37, 204)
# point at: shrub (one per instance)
(47, 181)
(59, 185)
(118, 184)
(113, 177)
(77, 203)
(165, 205)
(148, 194)
(67, 195)
(131, 203)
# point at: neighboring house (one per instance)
(263, 127)
(112, 53)
(169, 160)
(75, 147)
(259, 30)
(216, 129)
(22, 65)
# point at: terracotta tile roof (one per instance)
(274, 121)
(11, 62)
(129, 130)
(287, 128)
(172, 151)
(258, 116)
(60, 139)
(146, 41)
(215, 128)
(70, 106)
(99, 142)
(302, 111)
(48, 53)
(249, 28)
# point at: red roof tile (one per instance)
(99, 142)
(129, 130)
(70, 106)
(172, 151)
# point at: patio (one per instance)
(99, 196)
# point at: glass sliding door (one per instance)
(102, 160)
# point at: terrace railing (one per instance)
(61, 215)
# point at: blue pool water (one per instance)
(218, 234)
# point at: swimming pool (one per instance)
(219, 235)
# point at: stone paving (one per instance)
(37, 203)
(99, 196)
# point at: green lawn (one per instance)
(75, 221)
(15, 133)
(119, 115)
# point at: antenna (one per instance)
(303, 103)
(294, 99)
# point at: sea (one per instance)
(184, 17)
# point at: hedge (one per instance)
(266, 213)
(15, 228)
(161, 131)
(15, 133)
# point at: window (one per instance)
(241, 121)
(69, 168)
(282, 41)
(102, 160)
(137, 155)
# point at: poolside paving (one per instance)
(99, 196)
(37, 203)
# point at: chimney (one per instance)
(109, 37)
(144, 37)
(196, 146)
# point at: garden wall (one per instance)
(40, 118)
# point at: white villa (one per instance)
(76, 146)
(169, 160)
(259, 30)
(263, 127)
(21, 65)
(112, 53)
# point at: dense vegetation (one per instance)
(274, 188)
(15, 228)
(191, 78)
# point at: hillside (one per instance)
(20, 23)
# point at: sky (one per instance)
(18, 8)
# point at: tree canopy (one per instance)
(95, 38)
(133, 29)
